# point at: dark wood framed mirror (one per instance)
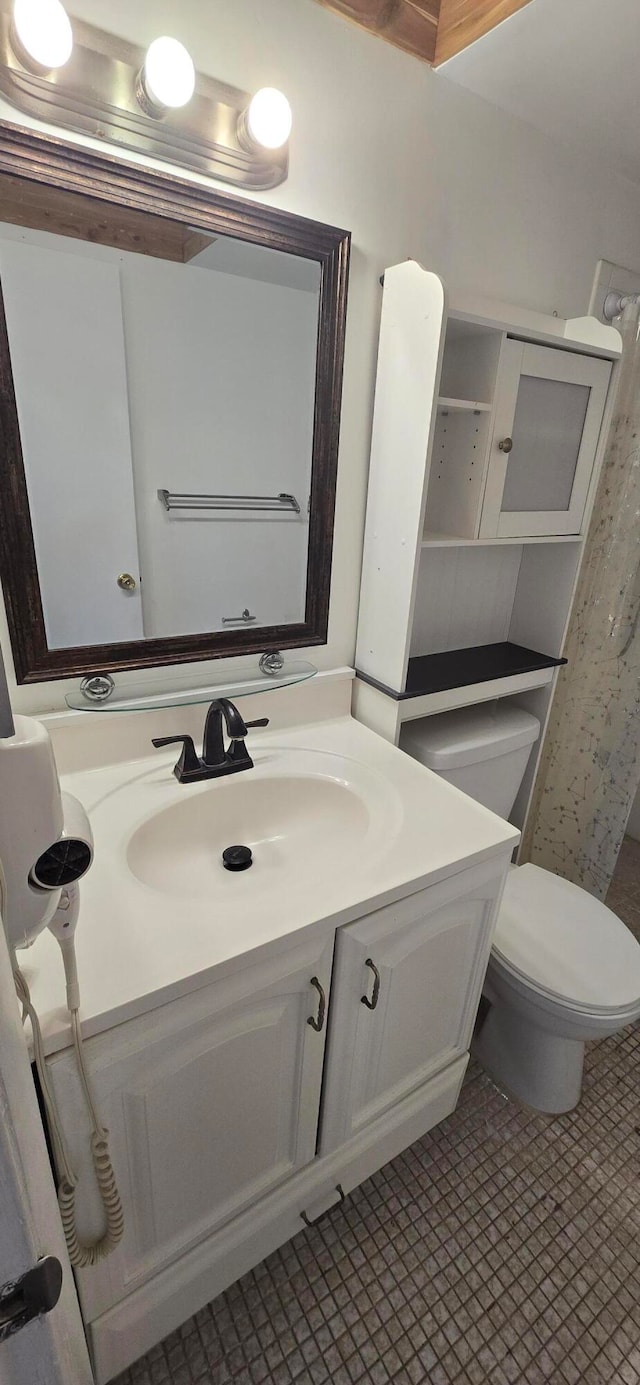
(55, 464)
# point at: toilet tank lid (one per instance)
(470, 734)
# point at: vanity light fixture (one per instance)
(150, 100)
(267, 121)
(167, 79)
(41, 34)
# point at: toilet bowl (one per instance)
(563, 968)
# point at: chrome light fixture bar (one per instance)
(108, 88)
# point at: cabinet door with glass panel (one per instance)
(548, 414)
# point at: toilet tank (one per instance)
(482, 750)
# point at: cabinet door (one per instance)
(549, 409)
(406, 986)
(210, 1101)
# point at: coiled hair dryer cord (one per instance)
(81, 1254)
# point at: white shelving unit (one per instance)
(489, 428)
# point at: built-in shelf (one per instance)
(473, 693)
(433, 540)
(439, 475)
(462, 406)
(458, 668)
(142, 697)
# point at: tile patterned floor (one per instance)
(624, 890)
(503, 1247)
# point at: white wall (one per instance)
(413, 166)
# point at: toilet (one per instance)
(563, 969)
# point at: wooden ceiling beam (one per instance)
(72, 214)
(409, 24)
(433, 30)
(461, 22)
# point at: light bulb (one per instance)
(269, 118)
(43, 32)
(168, 75)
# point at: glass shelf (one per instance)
(140, 697)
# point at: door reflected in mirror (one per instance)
(136, 374)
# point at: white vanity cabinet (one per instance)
(405, 995)
(230, 1130)
(210, 1101)
(548, 411)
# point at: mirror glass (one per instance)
(164, 383)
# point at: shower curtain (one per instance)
(590, 766)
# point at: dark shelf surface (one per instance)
(458, 668)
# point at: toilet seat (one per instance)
(560, 1011)
(565, 946)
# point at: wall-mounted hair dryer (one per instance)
(46, 846)
(46, 842)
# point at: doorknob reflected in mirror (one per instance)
(126, 582)
(506, 444)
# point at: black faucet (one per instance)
(215, 760)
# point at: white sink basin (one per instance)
(296, 826)
(339, 823)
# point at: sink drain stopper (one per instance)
(237, 858)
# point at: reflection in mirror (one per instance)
(170, 386)
(184, 366)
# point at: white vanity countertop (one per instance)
(141, 943)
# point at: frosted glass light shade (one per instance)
(168, 75)
(269, 118)
(43, 31)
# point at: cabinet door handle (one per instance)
(318, 1023)
(506, 444)
(308, 1221)
(371, 1004)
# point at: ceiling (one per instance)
(569, 67)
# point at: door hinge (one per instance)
(26, 1298)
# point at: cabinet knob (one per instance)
(506, 444)
(126, 582)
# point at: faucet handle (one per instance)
(189, 760)
(238, 738)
